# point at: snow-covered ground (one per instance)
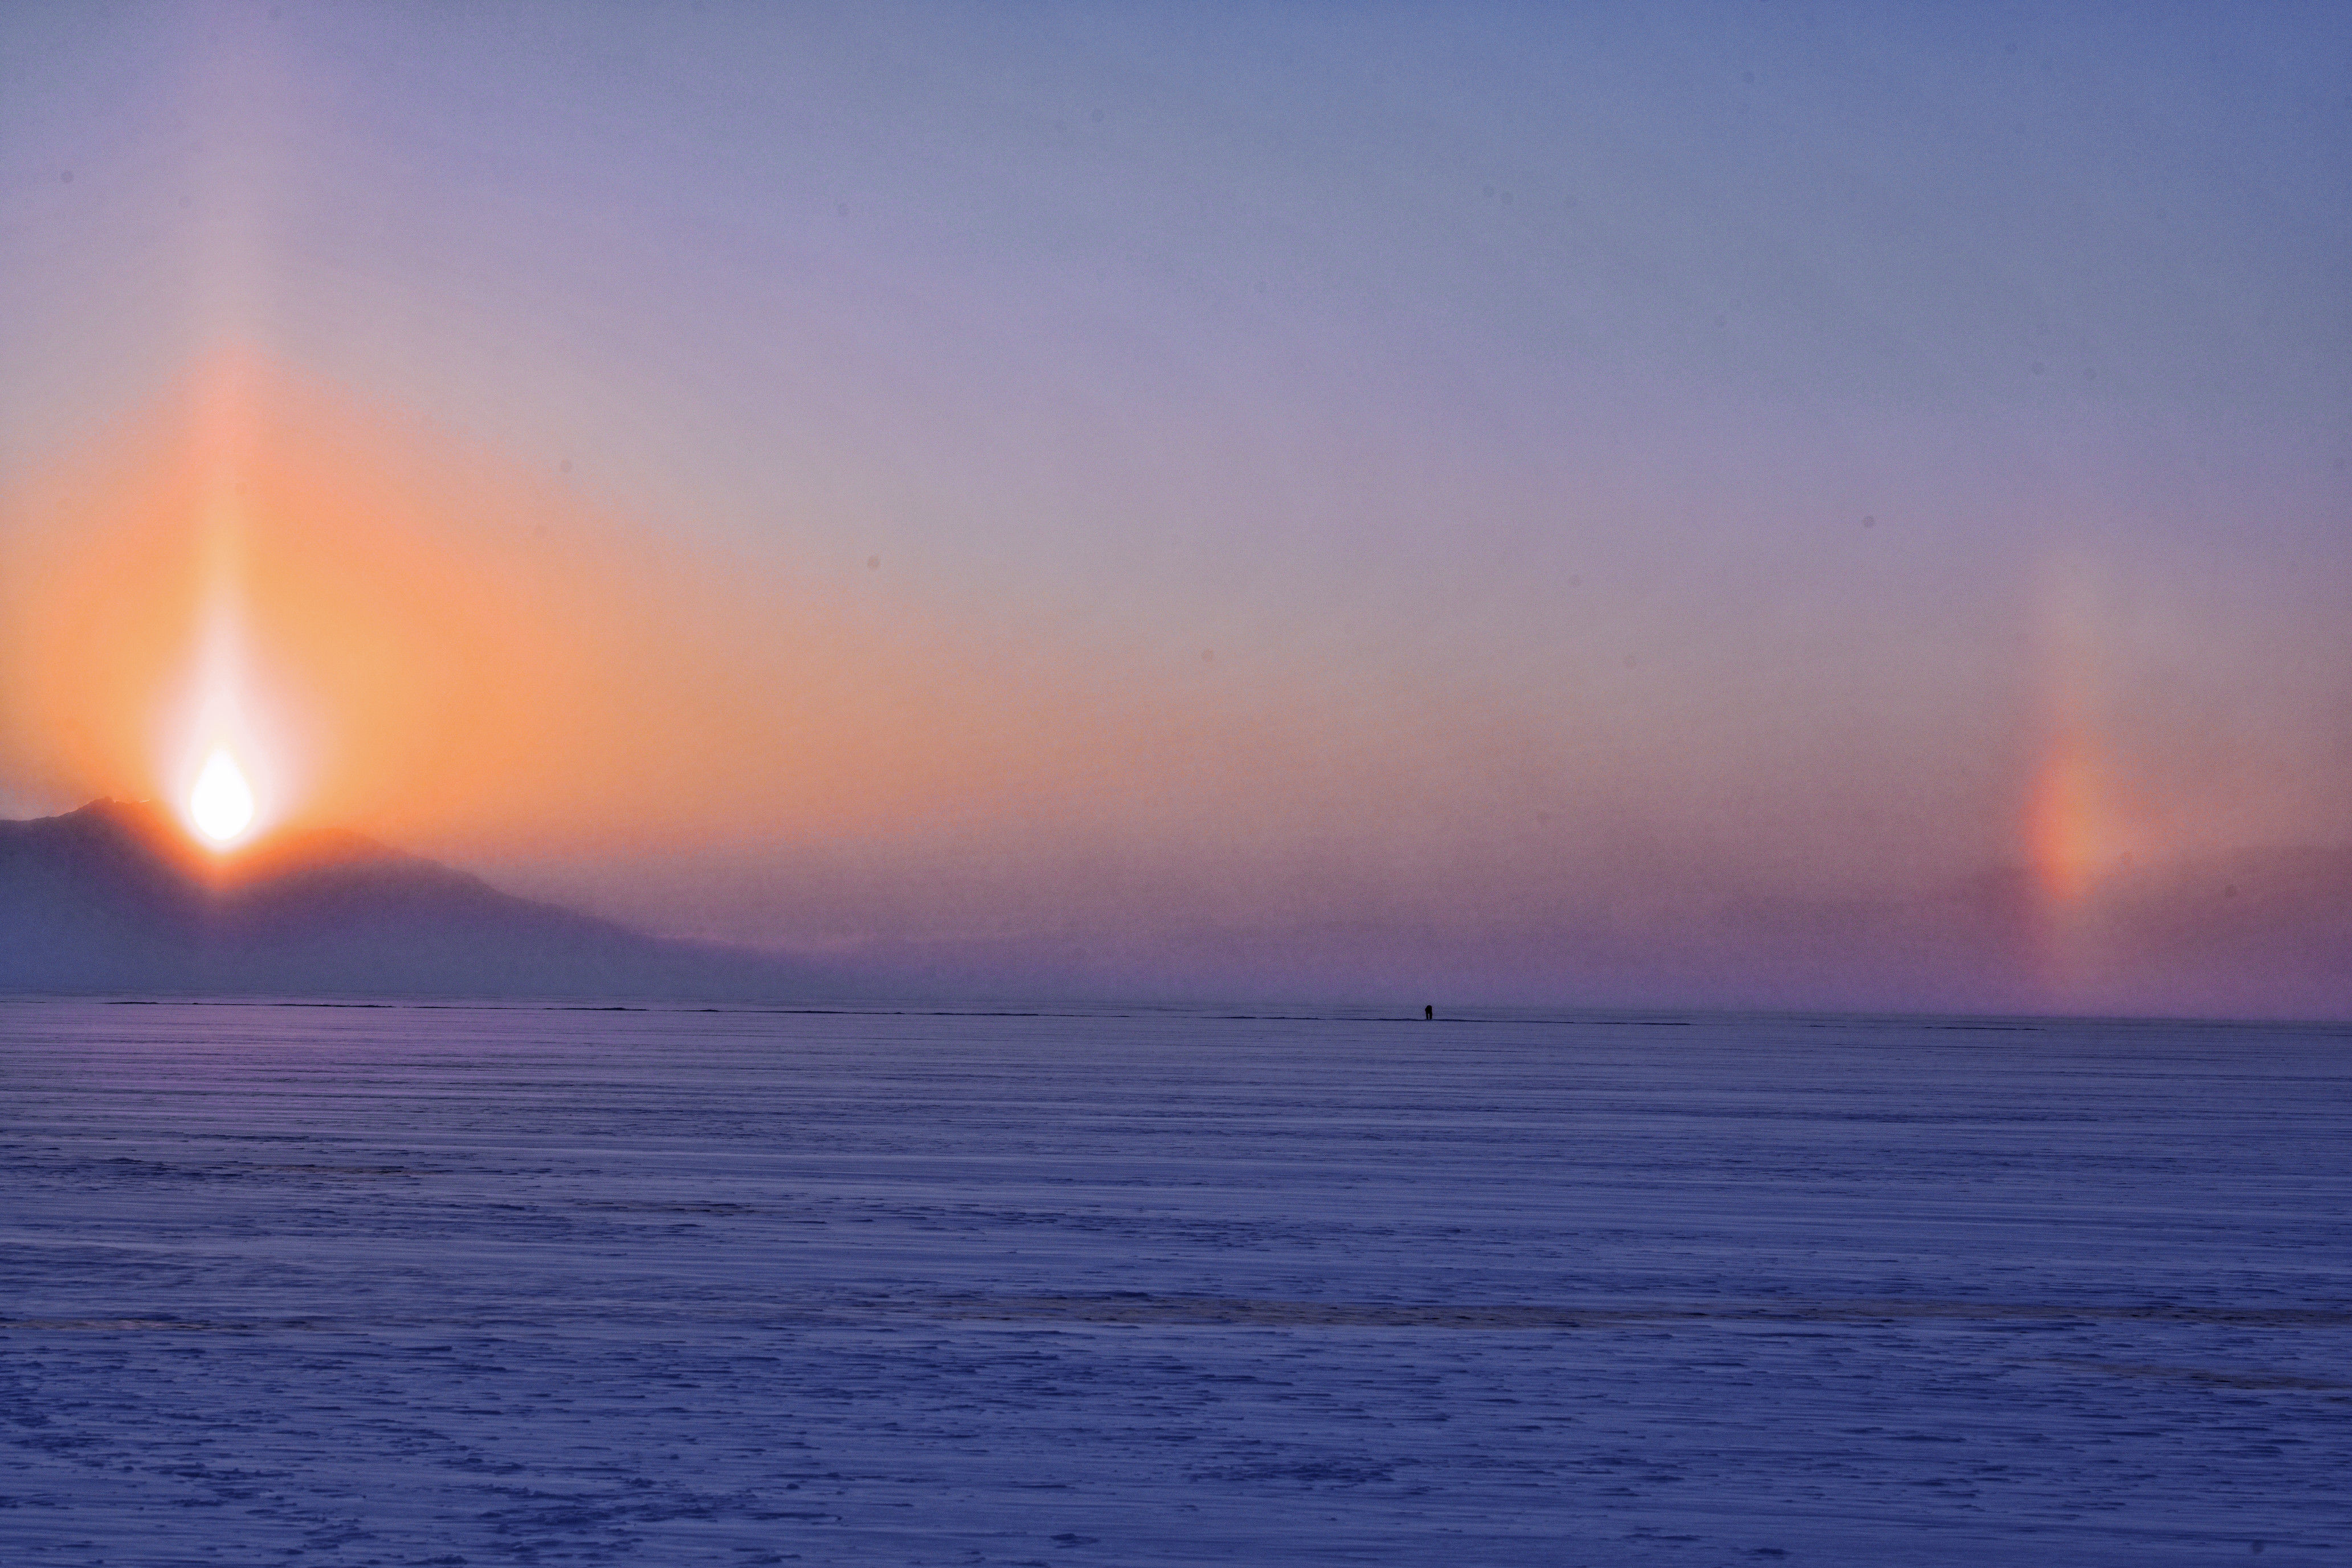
(521, 1285)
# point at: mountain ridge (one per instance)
(114, 897)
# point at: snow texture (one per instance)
(490, 1285)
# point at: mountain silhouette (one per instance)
(115, 899)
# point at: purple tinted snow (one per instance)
(413, 1285)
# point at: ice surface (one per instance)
(548, 1285)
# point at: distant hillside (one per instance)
(114, 897)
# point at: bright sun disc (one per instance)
(221, 805)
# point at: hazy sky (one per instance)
(1524, 477)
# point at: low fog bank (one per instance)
(2253, 934)
(113, 899)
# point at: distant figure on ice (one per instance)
(1430, 1013)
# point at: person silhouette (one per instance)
(1430, 1012)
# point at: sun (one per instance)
(221, 804)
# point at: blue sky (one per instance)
(1709, 419)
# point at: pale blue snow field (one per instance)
(493, 1284)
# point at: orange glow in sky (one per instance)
(392, 631)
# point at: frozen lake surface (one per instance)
(533, 1285)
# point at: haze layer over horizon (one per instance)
(1740, 503)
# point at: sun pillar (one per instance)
(220, 767)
